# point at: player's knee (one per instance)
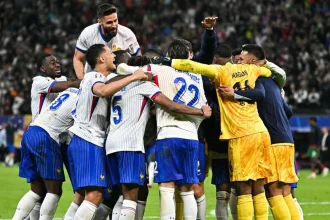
(243, 188)
(274, 189)
(286, 190)
(38, 187)
(223, 187)
(130, 191)
(94, 195)
(143, 193)
(198, 190)
(186, 187)
(79, 197)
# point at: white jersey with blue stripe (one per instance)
(91, 111)
(41, 95)
(182, 87)
(57, 117)
(129, 116)
(124, 40)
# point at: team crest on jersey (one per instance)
(141, 176)
(109, 191)
(102, 177)
(115, 48)
(58, 171)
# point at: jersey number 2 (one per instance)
(191, 88)
(117, 108)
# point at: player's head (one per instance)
(222, 54)
(251, 53)
(150, 53)
(235, 54)
(108, 19)
(100, 56)
(49, 65)
(138, 61)
(178, 49)
(325, 130)
(312, 121)
(122, 56)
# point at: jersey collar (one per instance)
(104, 37)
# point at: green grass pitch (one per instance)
(313, 195)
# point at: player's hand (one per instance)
(141, 75)
(149, 185)
(209, 22)
(207, 111)
(226, 92)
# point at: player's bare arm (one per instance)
(78, 63)
(63, 85)
(171, 106)
(103, 90)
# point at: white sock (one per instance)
(71, 211)
(85, 211)
(49, 206)
(167, 204)
(117, 208)
(141, 206)
(25, 205)
(233, 204)
(11, 162)
(189, 205)
(300, 209)
(201, 208)
(221, 208)
(128, 210)
(7, 159)
(35, 213)
(102, 212)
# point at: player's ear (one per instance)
(42, 69)
(99, 21)
(101, 58)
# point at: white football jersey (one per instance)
(57, 117)
(124, 40)
(91, 111)
(182, 87)
(129, 116)
(41, 95)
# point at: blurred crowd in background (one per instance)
(295, 34)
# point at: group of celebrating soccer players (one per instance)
(220, 107)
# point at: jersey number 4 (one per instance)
(191, 88)
(116, 109)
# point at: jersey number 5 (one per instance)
(191, 88)
(117, 109)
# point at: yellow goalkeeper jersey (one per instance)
(238, 118)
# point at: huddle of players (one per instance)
(250, 151)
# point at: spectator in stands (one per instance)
(314, 98)
(314, 143)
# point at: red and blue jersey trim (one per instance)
(51, 86)
(81, 50)
(41, 100)
(94, 103)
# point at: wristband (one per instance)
(211, 28)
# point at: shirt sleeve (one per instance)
(95, 81)
(134, 46)
(82, 45)
(278, 74)
(256, 94)
(44, 85)
(190, 66)
(265, 72)
(149, 90)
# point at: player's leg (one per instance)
(142, 202)
(28, 170)
(313, 154)
(50, 203)
(79, 196)
(105, 208)
(294, 211)
(11, 155)
(276, 201)
(220, 178)
(233, 202)
(91, 174)
(301, 213)
(178, 205)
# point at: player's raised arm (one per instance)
(278, 74)
(190, 66)
(103, 90)
(78, 63)
(63, 85)
(171, 106)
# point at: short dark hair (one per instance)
(122, 56)
(152, 52)
(236, 52)
(138, 61)
(223, 51)
(93, 53)
(255, 50)
(105, 9)
(313, 119)
(178, 49)
(41, 60)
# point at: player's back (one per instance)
(239, 118)
(91, 111)
(41, 95)
(129, 116)
(182, 87)
(57, 117)
(272, 111)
